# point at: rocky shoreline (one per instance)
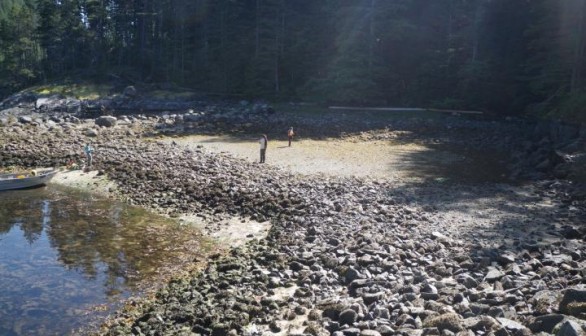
(344, 256)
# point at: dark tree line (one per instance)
(504, 56)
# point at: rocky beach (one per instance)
(345, 253)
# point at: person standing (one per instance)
(88, 149)
(290, 135)
(264, 141)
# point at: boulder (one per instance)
(348, 317)
(106, 121)
(493, 274)
(50, 103)
(90, 132)
(130, 92)
(450, 321)
(25, 119)
(569, 328)
(546, 323)
(514, 326)
(574, 301)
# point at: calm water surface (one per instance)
(68, 258)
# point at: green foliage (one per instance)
(20, 52)
(556, 68)
(77, 90)
(357, 68)
(497, 55)
(7, 7)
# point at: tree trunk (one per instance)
(257, 30)
(578, 64)
(372, 39)
(224, 51)
(449, 32)
(476, 33)
(278, 46)
(182, 75)
(158, 59)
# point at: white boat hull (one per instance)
(25, 180)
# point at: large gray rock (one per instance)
(574, 301)
(25, 119)
(90, 132)
(514, 326)
(42, 102)
(546, 323)
(348, 317)
(352, 274)
(106, 121)
(49, 103)
(545, 301)
(368, 332)
(493, 274)
(449, 321)
(481, 323)
(570, 328)
(467, 281)
(369, 298)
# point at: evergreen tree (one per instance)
(350, 77)
(498, 55)
(555, 68)
(20, 53)
(63, 36)
(7, 7)
(98, 29)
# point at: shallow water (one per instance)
(69, 258)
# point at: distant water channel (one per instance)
(69, 258)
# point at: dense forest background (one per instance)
(505, 56)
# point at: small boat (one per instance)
(26, 179)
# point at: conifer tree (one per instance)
(20, 52)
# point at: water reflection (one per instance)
(62, 253)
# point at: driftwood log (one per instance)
(401, 109)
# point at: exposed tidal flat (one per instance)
(344, 255)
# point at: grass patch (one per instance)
(91, 91)
(163, 94)
(77, 90)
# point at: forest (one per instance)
(507, 57)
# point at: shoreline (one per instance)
(86, 181)
(353, 255)
(230, 233)
(227, 234)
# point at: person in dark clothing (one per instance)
(264, 141)
(290, 135)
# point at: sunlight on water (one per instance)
(63, 253)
